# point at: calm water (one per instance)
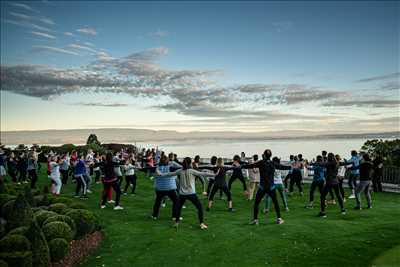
(280, 148)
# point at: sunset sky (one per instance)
(258, 66)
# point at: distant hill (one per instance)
(123, 135)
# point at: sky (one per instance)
(201, 66)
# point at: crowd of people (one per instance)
(176, 179)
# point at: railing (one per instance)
(391, 175)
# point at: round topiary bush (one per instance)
(3, 263)
(57, 230)
(57, 207)
(43, 215)
(19, 231)
(6, 209)
(21, 213)
(4, 198)
(63, 200)
(13, 243)
(42, 200)
(84, 220)
(65, 211)
(17, 259)
(59, 248)
(77, 205)
(63, 218)
(40, 249)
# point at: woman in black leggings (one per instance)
(237, 174)
(332, 182)
(219, 182)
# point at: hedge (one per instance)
(58, 207)
(57, 230)
(21, 213)
(18, 259)
(59, 248)
(84, 220)
(63, 218)
(40, 249)
(43, 215)
(13, 243)
(19, 231)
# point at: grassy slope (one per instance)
(132, 239)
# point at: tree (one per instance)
(92, 140)
(389, 149)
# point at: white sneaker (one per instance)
(163, 205)
(203, 226)
(88, 191)
(280, 221)
(254, 222)
(183, 207)
(111, 201)
(102, 206)
(118, 208)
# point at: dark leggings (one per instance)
(296, 179)
(196, 202)
(217, 187)
(260, 195)
(80, 185)
(325, 192)
(210, 185)
(341, 189)
(314, 185)
(174, 198)
(97, 175)
(130, 179)
(64, 174)
(233, 178)
(33, 176)
(13, 175)
(287, 178)
(22, 175)
(353, 181)
(107, 187)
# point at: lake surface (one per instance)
(280, 148)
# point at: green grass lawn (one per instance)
(359, 238)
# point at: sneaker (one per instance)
(287, 209)
(205, 194)
(183, 207)
(333, 202)
(76, 196)
(88, 191)
(180, 219)
(322, 214)
(352, 196)
(309, 206)
(153, 218)
(84, 197)
(102, 206)
(254, 222)
(203, 226)
(231, 210)
(118, 207)
(369, 207)
(111, 201)
(125, 194)
(163, 205)
(279, 221)
(343, 212)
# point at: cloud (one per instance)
(376, 103)
(282, 26)
(23, 6)
(45, 35)
(395, 75)
(44, 48)
(82, 48)
(26, 24)
(88, 31)
(45, 82)
(32, 18)
(392, 85)
(96, 104)
(69, 34)
(159, 34)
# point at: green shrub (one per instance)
(19, 231)
(12, 243)
(59, 248)
(84, 220)
(43, 215)
(42, 200)
(40, 249)
(21, 213)
(57, 207)
(63, 218)
(29, 196)
(65, 211)
(77, 205)
(3, 263)
(4, 198)
(7, 208)
(63, 200)
(57, 230)
(18, 259)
